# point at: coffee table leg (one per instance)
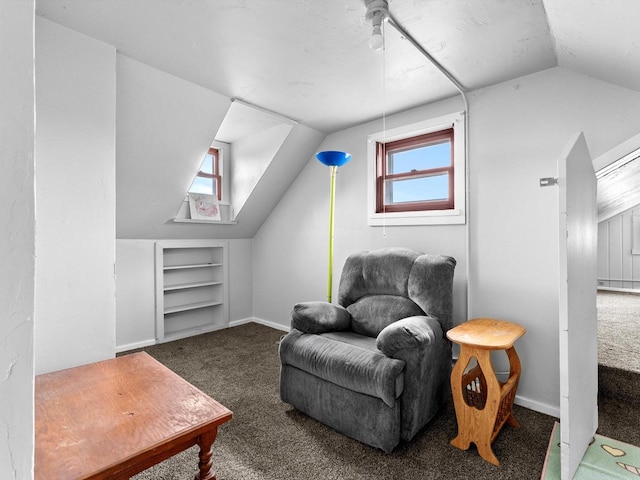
(205, 466)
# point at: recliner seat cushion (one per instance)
(368, 343)
(358, 369)
(371, 314)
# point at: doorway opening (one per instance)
(618, 299)
(619, 329)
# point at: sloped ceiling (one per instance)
(598, 38)
(310, 60)
(618, 186)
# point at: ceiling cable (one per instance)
(380, 9)
(384, 131)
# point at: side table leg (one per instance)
(514, 369)
(487, 418)
(463, 439)
(205, 466)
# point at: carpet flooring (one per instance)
(619, 330)
(269, 440)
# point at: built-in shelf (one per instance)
(191, 288)
(196, 265)
(183, 286)
(189, 306)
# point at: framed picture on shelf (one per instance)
(204, 207)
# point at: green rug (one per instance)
(605, 459)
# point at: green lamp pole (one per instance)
(332, 159)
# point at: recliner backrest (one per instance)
(382, 286)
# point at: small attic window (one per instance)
(426, 190)
(415, 173)
(208, 179)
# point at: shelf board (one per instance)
(184, 286)
(190, 306)
(195, 265)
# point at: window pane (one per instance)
(420, 158)
(422, 189)
(207, 164)
(202, 185)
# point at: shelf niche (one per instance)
(191, 288)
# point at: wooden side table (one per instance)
(483, 404)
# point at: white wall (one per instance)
(165, 126)
(75, 198)
(517, 131)
(17, 241)
(135, 290)
(290, 251)
(251, 157)
(240, 280)
(135, 294)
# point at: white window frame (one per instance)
(454, 216)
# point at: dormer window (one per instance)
(208, 179)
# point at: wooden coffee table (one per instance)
(116, 418)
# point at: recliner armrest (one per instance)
(319, 317)
(410, 332)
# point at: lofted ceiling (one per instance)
(309, 60)
(618, 186)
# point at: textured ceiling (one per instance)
(309, 60)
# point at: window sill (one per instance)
(436, 217)
(214, 222)
(184, 216)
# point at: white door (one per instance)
(578, 318)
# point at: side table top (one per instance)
(487, 333)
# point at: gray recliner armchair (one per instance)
(375, 367)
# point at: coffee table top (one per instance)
(486, 333)
(92, 419)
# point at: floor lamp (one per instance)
(333, 160)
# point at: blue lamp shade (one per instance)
(332, 158)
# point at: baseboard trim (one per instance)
(620, 290)
(537, 406)
(266, 323)
(133, 346)
(152, 341)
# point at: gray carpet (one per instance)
(269, 440)
(619, 330)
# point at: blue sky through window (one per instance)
(421, 158)
(421, 189)
(430, 188)
(201, 184)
